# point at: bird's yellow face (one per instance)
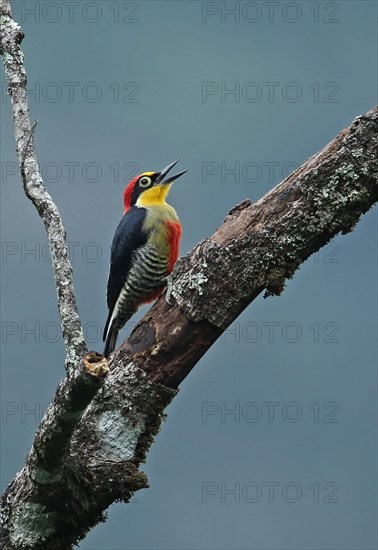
(150, 188)
(152, 193)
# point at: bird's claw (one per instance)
(169, 282)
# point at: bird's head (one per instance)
(149, 188)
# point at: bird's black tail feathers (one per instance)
(110, 333)
(110, 343)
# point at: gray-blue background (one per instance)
(122, 87)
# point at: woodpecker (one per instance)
(144, 250)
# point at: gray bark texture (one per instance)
(90, 444)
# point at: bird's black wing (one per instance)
(129, 236)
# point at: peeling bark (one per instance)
(90, 444)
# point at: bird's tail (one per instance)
(110, 342)
(110, 332)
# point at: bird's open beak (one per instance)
(164, 172)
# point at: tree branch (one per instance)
(51, 444)
(90, 443)
(11, 36)
(43, 471)
(259, 246)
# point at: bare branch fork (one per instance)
(89, 437)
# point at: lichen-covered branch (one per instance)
(37, 485)
(11, 36)
(53, 438)
(258, 247)
(55, 511)
(32, 517)
(90, 444)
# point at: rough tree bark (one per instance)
(88, 437)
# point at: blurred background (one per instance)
(271, 442)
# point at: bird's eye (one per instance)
(145, 181)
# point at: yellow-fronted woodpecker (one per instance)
(144, 250)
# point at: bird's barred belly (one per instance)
(146, 276)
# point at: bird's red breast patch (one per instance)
(174, 236)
